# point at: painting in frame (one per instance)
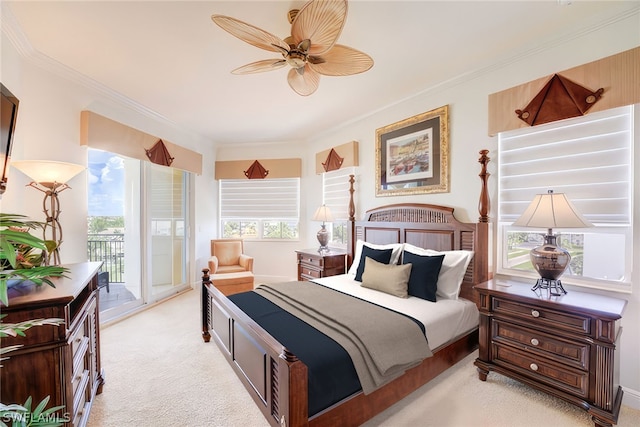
(412, 155)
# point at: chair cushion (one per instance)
(222, 269)
(228, 253)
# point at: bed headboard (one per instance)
(431, 227)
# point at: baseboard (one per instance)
(631, 398)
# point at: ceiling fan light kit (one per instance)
(310, 50)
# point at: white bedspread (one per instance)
(444, 320)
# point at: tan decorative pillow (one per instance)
(389, 278)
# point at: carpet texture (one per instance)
(159, 373)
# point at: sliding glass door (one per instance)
(166, 237)
(138, 218)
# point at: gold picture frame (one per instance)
(412, 155)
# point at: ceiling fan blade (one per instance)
(260, 66)
(341, 61)
(321, 22)
(250, 34)
(304, 83)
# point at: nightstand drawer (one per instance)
(542, 370)
(567, 352)
(314, 265)
(311, 261)
(307, 273)
(547, 318)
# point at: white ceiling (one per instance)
(168, 56)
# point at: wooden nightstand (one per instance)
(313, 265)
(564, 346)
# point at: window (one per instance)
(260, 208)
(335, 194)
(590, 159)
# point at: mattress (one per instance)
(444, 320)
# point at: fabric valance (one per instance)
(276, 168)
(616, 74)
(348, 153)
(99, 132)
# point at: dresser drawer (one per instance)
(76, 339)
(567, 352)
(307, 260)
(542, 370)
(543, 317)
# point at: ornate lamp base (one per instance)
(554, 286)
(550, 261)
(323, 239)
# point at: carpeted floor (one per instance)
(160, 373)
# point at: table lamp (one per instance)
(551, 210)
(323, 213)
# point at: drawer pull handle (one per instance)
(534, 341)
(533, 367)
(535, 313)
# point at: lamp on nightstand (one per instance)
(551, 210)
(323, 214)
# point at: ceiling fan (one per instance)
(310, 50)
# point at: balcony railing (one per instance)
(108, 248)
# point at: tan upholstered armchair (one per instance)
(227, 257)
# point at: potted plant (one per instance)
(24, 256)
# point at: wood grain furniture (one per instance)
(562, 345)
(62, 361)
(277, 380)
(314, 265)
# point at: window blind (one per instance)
(260, 198)
(588, 158)
(335, 185)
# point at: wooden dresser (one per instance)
(63, 361)
(564, 346)
(314, 265)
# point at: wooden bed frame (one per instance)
(277, 380)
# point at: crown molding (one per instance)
(491, 67)
(11, 28)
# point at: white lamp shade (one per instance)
(323, 214)
(48, 171)
(552, 210)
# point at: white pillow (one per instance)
(395, 254)
(454, 266)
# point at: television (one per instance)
(9, 113)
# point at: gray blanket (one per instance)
(382, 343)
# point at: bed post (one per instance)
(483, 204)
(351, 224)
(206, 336)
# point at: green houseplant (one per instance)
(23, 257)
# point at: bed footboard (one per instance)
(275, 378)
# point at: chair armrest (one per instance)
(246, 262)
(213, 264)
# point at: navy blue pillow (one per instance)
(423, 281)
(380, 255)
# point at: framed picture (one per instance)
(412, 155)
